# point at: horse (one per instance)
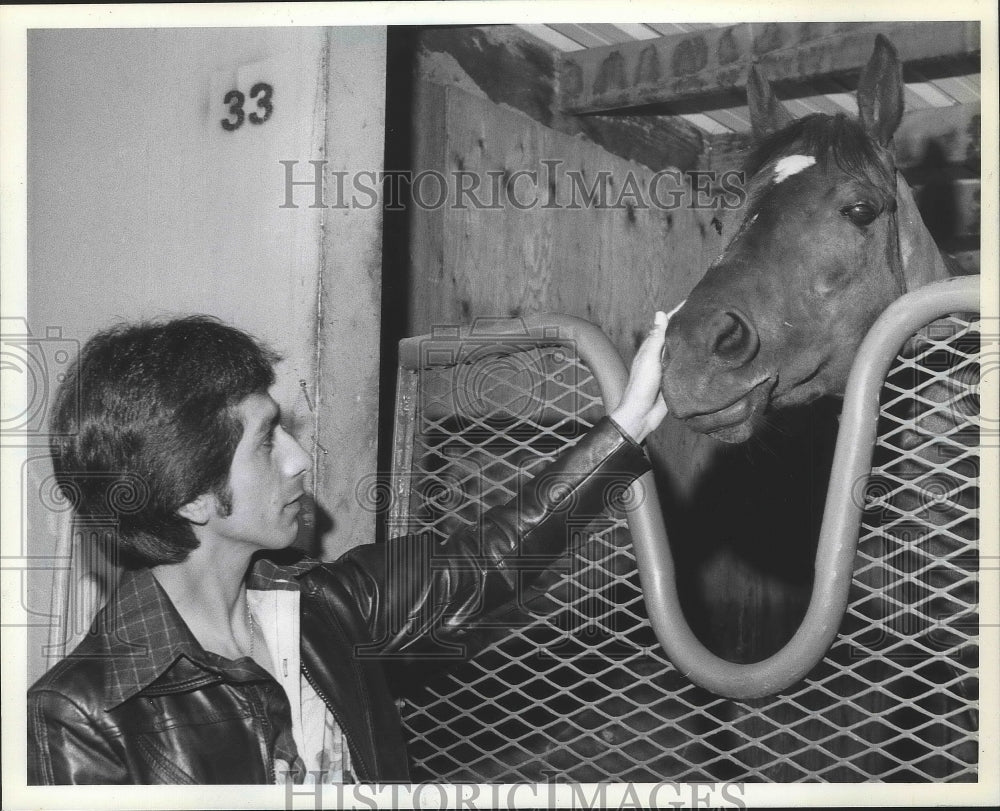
(830, 236)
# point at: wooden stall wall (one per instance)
(611, 266)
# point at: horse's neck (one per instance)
(921, 259)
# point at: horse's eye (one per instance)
(860, 213)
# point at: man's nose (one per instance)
(297, 461)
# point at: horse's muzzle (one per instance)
(737, 421)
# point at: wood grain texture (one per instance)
(499, 63)
(588, 261)
(677, 68)
(611, 266)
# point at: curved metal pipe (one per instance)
(834, 563)
(841, 518)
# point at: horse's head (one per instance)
(814, 257)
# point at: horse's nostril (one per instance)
(735, 341)
(731, 337)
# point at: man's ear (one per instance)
(199, 510)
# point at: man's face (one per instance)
(265, 480)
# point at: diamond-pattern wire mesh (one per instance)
(582, 690)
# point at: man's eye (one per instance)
(860, 213)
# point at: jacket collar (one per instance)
(144, 635)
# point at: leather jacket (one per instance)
(128, 708)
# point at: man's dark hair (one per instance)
(144, 423)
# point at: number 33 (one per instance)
(261, 92)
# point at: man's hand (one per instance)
(642, 407)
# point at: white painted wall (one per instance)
(141, 204)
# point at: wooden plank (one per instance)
(818, 104)
(580, 34)
(657, 142)
(347, 321)
(509, 69)
(703, 64)
(712, 125)
(666, 28)
(427, 230)
(964, 89)
(736, 120)
(506, 67)
(609, 32)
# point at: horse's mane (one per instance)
(819, 134)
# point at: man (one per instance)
(212, 663)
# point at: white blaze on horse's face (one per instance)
(791, 165)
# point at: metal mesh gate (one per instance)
(581, 688)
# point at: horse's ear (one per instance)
(880, 92)
(767, 114)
